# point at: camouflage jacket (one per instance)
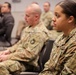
(30, 45)
(47, 18)
(63, 57)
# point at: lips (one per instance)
(54, 25)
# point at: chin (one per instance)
(54, 28)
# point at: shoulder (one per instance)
(59, 37)
(8, 16)
(42, 27)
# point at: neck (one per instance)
(35, 24)
(67, 32)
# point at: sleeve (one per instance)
(9, 23)
(14, 47)
(70, 63)
(34, 46)
(2, 30)
(21, 26)
(48, 19)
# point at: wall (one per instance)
(19, 8)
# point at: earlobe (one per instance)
(71, 19)
(37, 17)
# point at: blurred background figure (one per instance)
(21, 26)
(47, 15)
(6, 25)
(34, 2)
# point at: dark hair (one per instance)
(9, 5)
(69, 7)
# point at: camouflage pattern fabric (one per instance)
(63, 57)
(26, 50)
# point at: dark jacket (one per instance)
(2, 27)
(6, 27)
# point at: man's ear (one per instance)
(37, 16)
(71, 19)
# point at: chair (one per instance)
(44, 56)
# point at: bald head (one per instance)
(32, 14)
(35, 9)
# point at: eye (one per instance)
(57, 15)
(27, 15)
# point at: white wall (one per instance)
(19, 8)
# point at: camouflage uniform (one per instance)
(26, 50)
(53, 34)
(21, 26)
(46, 17)
(63, 57)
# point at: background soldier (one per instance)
(47, 15)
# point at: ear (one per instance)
(37, 16)
(71, 19)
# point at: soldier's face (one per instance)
(60, 21)
(29, 17)
(46, 7)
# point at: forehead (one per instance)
(5, 5)
(29, 10)
(28, 13)
(46, 4)
(58, 9)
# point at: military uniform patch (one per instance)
(32, 41)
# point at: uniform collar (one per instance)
(71, 33)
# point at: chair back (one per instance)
(45, 53)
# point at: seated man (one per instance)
(7, 24)
(26, 52)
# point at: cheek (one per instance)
(30, 20)
(61, 25)
(58, 24)
(45, 8)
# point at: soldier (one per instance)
(47, 15)
(25, 53)
(63, 57)
(21, 26)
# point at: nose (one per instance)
(25, 18)
(53, 19)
